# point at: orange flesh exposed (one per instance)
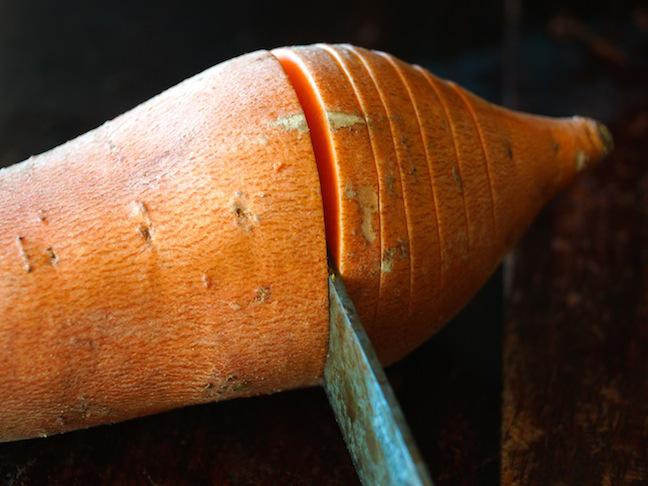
(317, 124)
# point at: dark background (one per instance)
(483, 398)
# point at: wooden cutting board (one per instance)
(575, 399)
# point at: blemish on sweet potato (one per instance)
(42, 216)
(387, 262)
(457, 178)
(509, 149)
(23, 254)
(145, 232)
(52, 256)
(338, 120)
(367, 199)
(262, 294)
(390, 181)
(144, 228)
(556, 147)
(242, 215)
(230, 384)
(292, 122)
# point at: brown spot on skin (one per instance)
(239, 211)
(139, 209)
(262, 294)
(239, 386)
(51, 254)
(556, 147)
(390, 181)
(80, 412)
(23, 254)
(144, 228)
(207, 283)
(457, 178)
(42, 216)
(509, 149)
(243, 217)
(229, 384)
(145, 233)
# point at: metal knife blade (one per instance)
(365, 407)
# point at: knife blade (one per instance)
(365, 407)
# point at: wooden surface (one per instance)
(575, 406)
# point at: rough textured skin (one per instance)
(418, 198)
(175, 255)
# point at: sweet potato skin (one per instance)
(174, 255)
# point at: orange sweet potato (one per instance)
(178, 254)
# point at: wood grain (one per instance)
(575, 401)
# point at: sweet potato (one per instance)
(178, 254)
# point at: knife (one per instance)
(365, 407)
